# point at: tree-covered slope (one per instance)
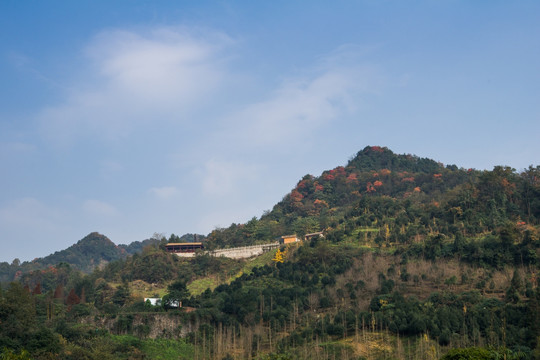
(88, 253)
(398, 197)
(417, 258)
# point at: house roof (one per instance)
(180, 244)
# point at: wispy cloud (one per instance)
(164, 192)
(301, 105)
(26, 64)
(225, 178)
(138, 77)
(141, 86)
(99, 208)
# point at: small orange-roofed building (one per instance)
(288, 239)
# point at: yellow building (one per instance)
(288, 239)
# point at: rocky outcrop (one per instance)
(145, 325)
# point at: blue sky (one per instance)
(136, 117)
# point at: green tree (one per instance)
(178, 292)
(8, 354)
(473, 353)
(17, 316)
(516, 287)
(121, 295)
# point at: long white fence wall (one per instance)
(239, 252)
(244, 252)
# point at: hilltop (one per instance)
(417, 258)
(92, 251)
(390, 198)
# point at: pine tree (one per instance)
(37, 289)
(72, 299)
(59, 292)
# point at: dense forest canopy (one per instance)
(406, 196)
(416, 259)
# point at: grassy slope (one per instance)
(199, 285)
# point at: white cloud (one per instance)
(165, 192)
(225, 178)
(138, 77)
(163, 67)
(304, 104)
(99, 208)
(139, 81)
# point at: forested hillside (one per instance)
(418, 260)
(397, 199)
(92, 251)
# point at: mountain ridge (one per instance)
(91, 251)
(314, 204)
(438, 256)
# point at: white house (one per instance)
(153, 301)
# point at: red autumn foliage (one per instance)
(408, 179)
(320, 203)
(385, 172)
(377, 149)
(296, 196)
(370, 187)
(352, 178)
(328, 177)
(72, 299)
(377, 183)
(417, 189)
(340, 170)
(319, 187)
(437, 176)
(508, 187)
(37, 289)
(59, 292)
(403, 174)
(375, 174)
(301, 184)
(50, 269)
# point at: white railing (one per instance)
(262, 246)
(255, 250)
